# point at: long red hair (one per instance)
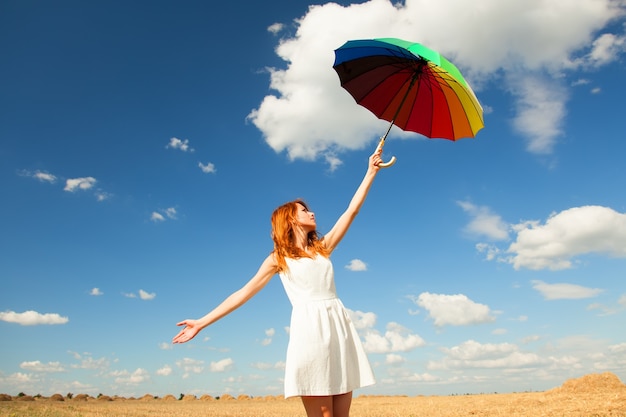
(284, 220)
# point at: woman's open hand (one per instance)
(190, 331)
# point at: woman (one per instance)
(325, 358)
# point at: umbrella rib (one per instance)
(414, 78)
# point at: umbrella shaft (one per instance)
(415, 77)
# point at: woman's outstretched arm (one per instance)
(334, 236)
(192, 327)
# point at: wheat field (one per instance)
(595, 395)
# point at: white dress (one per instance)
(325, 355)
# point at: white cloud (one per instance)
(102, 195)
(164, 214)
(263, 366)
(157, 217)
(362, 320)
(540, 111)
(522, 46)
(454, 310)
(138, 376)
(221, 366)
(622, 300)
(32, 318)
(394, 359)
(484, 222)
(37, 366)
(88, 362)
(605, 49)
(44, 176)
(396, 339)
(268, 340)
(208, 168)
(554, 244)
(190, 366)
(563, 291)
(144, 295)
(164, 371)
(95, 291)
(357, 265)
(619, 348)
(182, 145)
(74, 184)
(170, 213)
(165, 346)
(472, 354)
(565, 235)
(275, 28)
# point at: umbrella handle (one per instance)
(393, 158)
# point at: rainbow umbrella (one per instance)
(410, 86)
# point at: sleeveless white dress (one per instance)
(325, 355)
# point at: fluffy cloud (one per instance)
(164, 371)
(164, 214)
(522, 46)
(144, 295)
(556, 243)
(190, 366)
(484, 223)
(357, 265)
(38, 366)
(221, 366)
(563, 291)
(74, 184)
(472, 354)
(395, 339)
(269, 333)
(138, 376)
(454, 310)
(208, 168)
(182, 145)
(32, 318)
(95, 291)
(565, 235)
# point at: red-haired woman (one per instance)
(325, 358)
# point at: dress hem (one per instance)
(326, 392)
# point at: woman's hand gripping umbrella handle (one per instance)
(393, 158)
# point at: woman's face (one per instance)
(305, 218)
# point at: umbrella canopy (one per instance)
(409, 85)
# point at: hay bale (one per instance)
(80, 397)
(5, 397)
(147, 397)
(25, 398)
(243, 397)
(189, 397)
(269, 398)
(57, 397)
(591, 384)
(207, 397)
(104, 398)
(227, 397)
(169, 397)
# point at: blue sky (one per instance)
(144, 145)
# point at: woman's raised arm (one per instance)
(338, 231)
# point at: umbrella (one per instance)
(409, 85)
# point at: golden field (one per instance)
(594, 395)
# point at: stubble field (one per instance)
(595, 395)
